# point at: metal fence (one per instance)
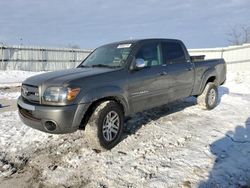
(236, 57)
(31, 58)
(44, 59)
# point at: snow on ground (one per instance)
(14, 77)
(176, 145)
(9, 96)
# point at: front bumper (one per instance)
(66, 118)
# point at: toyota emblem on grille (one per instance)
(25, 91)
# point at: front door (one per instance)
(147, 86)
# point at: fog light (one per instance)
(50, 125)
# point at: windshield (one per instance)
(112, 55)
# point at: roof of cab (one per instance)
(133, 41)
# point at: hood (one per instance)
(64, 76)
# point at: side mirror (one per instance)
(140, 63)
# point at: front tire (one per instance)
(105, 126)
(209, 97)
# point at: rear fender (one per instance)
(208, 74)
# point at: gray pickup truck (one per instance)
(114, 81)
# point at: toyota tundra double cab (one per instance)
(114, 81)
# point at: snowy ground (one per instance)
(13, 78)
(177, 145)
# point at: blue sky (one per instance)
(90, 23)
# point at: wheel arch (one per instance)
(96, 102)
(209, 76)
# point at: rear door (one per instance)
(180, 70)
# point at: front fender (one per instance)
(105, 92)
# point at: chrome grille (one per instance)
(30, 93)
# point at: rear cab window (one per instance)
(173, 53)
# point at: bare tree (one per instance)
(239, 35)
(246, 34)
(234, 36)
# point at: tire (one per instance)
(105, 126)
(209, 97)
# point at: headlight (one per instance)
(60, 94)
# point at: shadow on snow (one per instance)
(232, 164)
(135, 122)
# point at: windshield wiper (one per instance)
(84, 66)
(103, 65)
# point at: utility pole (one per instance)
(21, 41)
(2, 58)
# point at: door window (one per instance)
(151, 54)
(173, 53)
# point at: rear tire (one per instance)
(209, 97)
(105, 126)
